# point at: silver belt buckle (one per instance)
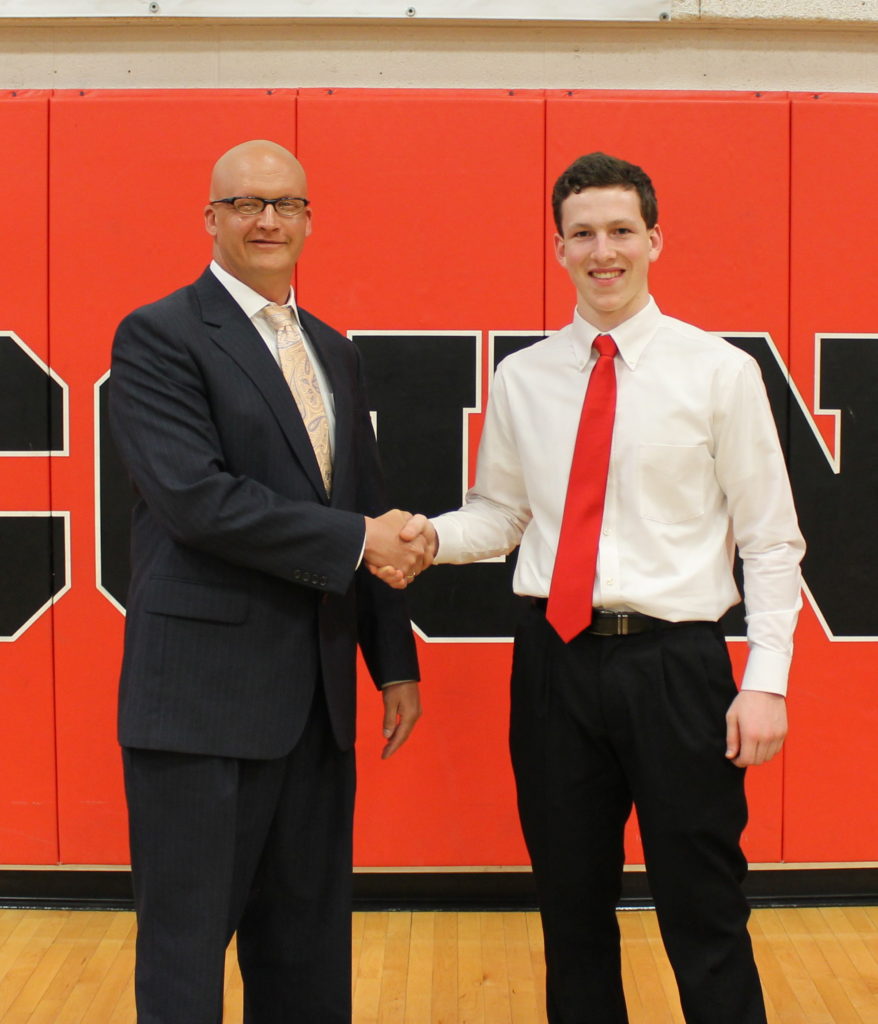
(621, 623)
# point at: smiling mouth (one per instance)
(605, 275)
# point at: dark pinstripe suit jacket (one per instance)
(243, 594)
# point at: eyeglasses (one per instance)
(251, 206)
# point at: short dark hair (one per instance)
(598, 170)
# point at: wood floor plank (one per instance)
(397, 943)
(818, 966)
(663, 968)
(781, 1002)
(634, 943)
(367, 985)
(419, 981)
(470, 973)
(630, 930)
(858, 986)
(526, 1001)
(233, 998)
(537, 950)
(796, 970)
(105, 930)
(10, 921)
(27, 947)
(51, 954)
(53, 976)
(73, 941)
(358, 923)
(838, 1004)
(120, 971)
(861, 945)
(644, 968)
(445, 969)
(495, 969)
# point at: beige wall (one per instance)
(778, 10)
(821, 45)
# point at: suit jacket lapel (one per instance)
(231, 330)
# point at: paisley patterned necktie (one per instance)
(299, 374)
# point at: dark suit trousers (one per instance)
(596, 725)
(220, 845)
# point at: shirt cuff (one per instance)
(396, 682)
(767, 671)
(438, 526)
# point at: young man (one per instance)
(622, 691)
(243, 422)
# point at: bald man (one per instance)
(259, 509)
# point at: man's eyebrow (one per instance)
(619, 222)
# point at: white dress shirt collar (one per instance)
(253, 304)
(631, 336)
(249, 300)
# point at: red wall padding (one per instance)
(28, 825)
(830, 797)
(430, 215)
(433, 222)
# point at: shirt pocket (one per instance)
(673, 481)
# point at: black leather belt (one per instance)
(609, 623)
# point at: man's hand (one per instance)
(756, 725)
(402, 708)
(403, 557)
(418, 526)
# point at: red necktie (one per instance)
(570, 595)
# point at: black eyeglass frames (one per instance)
(251, 206)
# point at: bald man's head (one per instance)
(247, 157)
(260, 250)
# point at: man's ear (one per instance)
(656, 242)
(210, 219)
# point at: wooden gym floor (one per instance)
(819, 966)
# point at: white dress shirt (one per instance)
(253, 305)
(695, 468)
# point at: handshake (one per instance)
(399, 546)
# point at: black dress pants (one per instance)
(261, 848)
(604, 722)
